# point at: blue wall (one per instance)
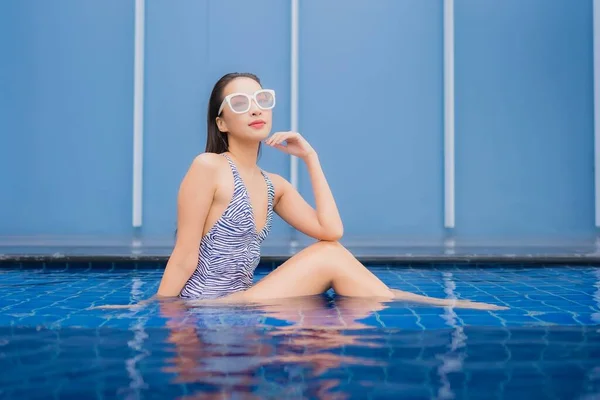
(65, 117)
(524, 118)
(371, 103)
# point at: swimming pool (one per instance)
(546, 345)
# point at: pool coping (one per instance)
(389, 252)
(372, 259)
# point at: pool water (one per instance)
(547, 344)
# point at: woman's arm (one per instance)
(324, 223)
(195, 197)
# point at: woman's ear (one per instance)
(221, 125)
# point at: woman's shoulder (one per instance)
(208, 162)
(279, 182)
(207, 165)
(275, 178)
(203, 174)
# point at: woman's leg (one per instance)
(325, 265)
(314, 270)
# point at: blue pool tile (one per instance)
(438, 322)
(34, 320)
(396, 321)
(589, 318)
(83, 321)
(521, 320)
(558, 318)
(397, 309)
(482, 319)
(6, 320)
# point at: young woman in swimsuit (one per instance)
(225, 210)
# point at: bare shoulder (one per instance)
(207, 165)
(205, 168)
(278, 180)
(208, 161)
(280, 184)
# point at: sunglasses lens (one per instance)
(265, 100)
(239, 103)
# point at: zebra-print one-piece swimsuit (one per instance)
(230, 250)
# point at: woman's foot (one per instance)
(473, 305)
(134, 306)
(407, 296)
(115, 307)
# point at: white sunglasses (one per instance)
(240, 103)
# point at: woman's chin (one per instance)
(264, 136)
(259, 135)
(254, 135)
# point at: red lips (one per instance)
(259, 123)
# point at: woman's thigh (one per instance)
(316, 269)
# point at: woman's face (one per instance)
(253, 124)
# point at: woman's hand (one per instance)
(295, 145)
(322, 223)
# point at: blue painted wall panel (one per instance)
(371, 102)
(524, 118)
(66, 117)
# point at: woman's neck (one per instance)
(245, 154)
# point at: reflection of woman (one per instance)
(225, 207)
(231, 359)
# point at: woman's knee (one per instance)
(330, 247)
(324, 257)
(323, 250)
(330, 256)
(337, 252)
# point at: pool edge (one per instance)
(377, 259)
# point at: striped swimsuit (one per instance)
(230, 250)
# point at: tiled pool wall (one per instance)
(110, 264)
(60, 293)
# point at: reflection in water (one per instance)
(596, 296)
(188, 362)
(452, 359)
(137, 344)
(303, 348)
(313, 341)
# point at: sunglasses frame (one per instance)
(251, 97)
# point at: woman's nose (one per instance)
(254, 109)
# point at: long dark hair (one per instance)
(217, 141)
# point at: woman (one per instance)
(225, 209)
